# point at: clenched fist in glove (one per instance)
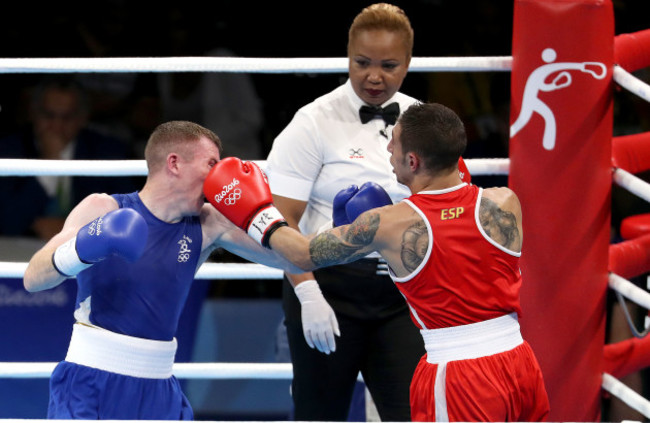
(350, 202)
(122, 232)
(240, 191)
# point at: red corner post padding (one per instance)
(632, 152)
(635, 226)
(626, 357)
(632, 51)
(630, 258)
(560, 167)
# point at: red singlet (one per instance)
(464, 297)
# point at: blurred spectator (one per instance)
(225, 102)
(57, 131)
(481, 99)
(121, 102)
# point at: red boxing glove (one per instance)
(240, 191)
(463, 171)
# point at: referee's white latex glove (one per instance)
(319, 323)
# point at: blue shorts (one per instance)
(80, 392)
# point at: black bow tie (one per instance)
(388, 113)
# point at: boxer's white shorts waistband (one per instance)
(472, 341)
(126, 355)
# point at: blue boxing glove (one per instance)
(339, 215)
(121, 232)
(356, 201)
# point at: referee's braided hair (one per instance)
(383, 16)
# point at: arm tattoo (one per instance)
(329, 248)
(499, 225)
(415, 242)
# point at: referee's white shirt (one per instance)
(326, 148)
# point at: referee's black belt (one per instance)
(378, 266)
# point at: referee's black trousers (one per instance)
(377, 339)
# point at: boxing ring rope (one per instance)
(21, 370)
(36, 167)
(632, 183)
(239, 64)
(631, 83)
(620, 390)
(215, 271)
(17, 167)
(629, 290)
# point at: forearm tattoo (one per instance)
(415, 242)
(329, 248)
(500, 225)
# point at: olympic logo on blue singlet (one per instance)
(233, 197)
(184, 250)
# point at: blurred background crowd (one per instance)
(130, 105)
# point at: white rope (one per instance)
(237, 271)
(478, 167)
(626, 394)
(24, 167)
(25, 370)
(206, 271)
(635, 185)
(238, 64)
(20, 370)
(37, 167)
(233, 370)
(29, 167)
(629, 290)
(10, 269)
(631, 83)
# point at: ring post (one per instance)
(560, 153)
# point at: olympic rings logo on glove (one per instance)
(233, 197)
(95, 227)
(226, 190)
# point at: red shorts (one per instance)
(502, 387)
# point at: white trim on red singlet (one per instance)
(429, 231)
(482, 231)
